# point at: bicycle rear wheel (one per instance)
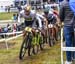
(41, 42)
(50, 38)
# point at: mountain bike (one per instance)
(31, 43)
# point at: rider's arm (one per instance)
(39, 21)
(43, 18)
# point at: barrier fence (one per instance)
(63, 48)
(11, 38)
(10, 33)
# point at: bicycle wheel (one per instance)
(23, 49)
(41, 42)
(35, 44)
(25, 45)
(50, 38)
(49, 41)
(35, 49)
(29, 44)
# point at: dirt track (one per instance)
(50, 55)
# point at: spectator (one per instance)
(8, 9)
(0, 29)
(14, 17)
(2, 36)
(19, 8)
(9, 27)
(67, 16)
(14, 28)
(5, 29)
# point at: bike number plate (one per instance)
(50, 25)
(28, 29)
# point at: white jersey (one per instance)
(29, 17)
(32, 16)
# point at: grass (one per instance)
(6, 16)
(50, 55)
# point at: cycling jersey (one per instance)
(29, 19)
(50, 17)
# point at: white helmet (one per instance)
(27, 7)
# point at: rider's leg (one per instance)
(56, 32)
(53, 32)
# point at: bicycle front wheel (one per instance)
(23, 49)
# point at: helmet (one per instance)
(46, 11)
(27, 7)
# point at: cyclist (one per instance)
(51, 17)
(31, 17)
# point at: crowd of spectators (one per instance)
(11, 28)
